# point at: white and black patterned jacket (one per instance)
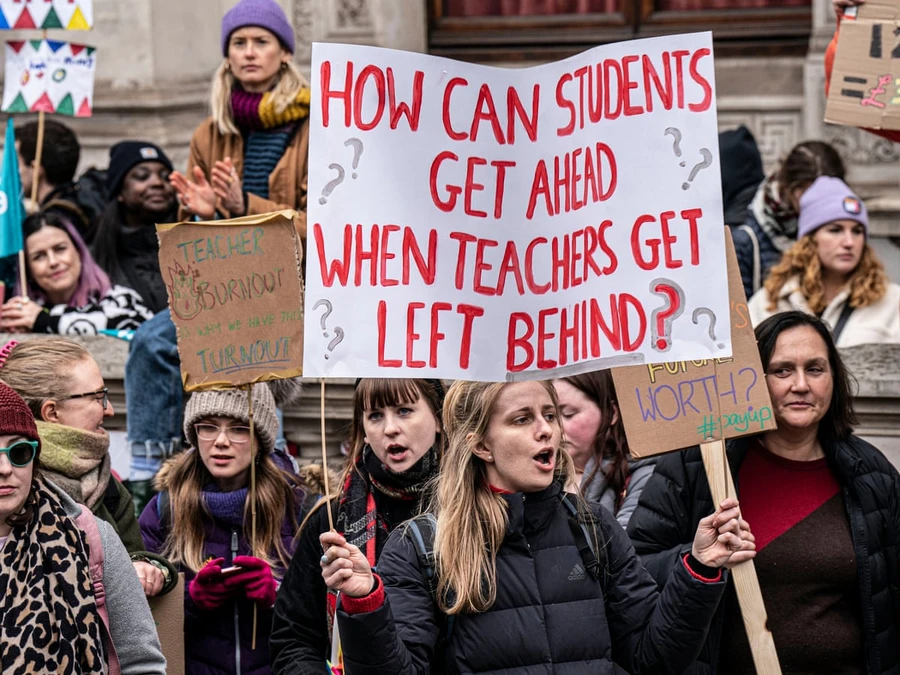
(120, 309)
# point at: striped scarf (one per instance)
(256, 112)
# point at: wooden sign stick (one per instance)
(753, 609)
(325, 458)
(253, 451)
(36, 172)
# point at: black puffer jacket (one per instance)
(677, 496)
(549, 616)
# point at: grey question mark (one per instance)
(357, 152)
(328, 308)
(712, 322)
(675, 133)
(330, 185)
(707, 160)
(336, 340)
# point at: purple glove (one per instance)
(207, 589)
(255, 579)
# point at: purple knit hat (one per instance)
(263, 13)
(829, 199)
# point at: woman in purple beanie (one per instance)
(832, 272)
(250, 155)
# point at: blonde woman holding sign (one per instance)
(824, 507)
(523, 577)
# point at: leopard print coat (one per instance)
(48, 616)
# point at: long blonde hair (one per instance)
(471, 519)
(290, 82)
(39, 370)
(868, 283)
(185, 476)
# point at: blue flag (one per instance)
(12, 211)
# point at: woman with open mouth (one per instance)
(396, 445)
(508, 573)
(833, 272)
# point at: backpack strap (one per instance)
(584, 541)
(423, 542)
(163, 507)
(842, 320)
(757, 262)
(88, 524)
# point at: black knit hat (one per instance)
(16, 418)
(126, 154)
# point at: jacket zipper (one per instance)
(858, 534)
(237, 623)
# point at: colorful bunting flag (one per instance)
(49, 76)
(65, 14)
(12, 212)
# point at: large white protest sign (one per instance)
(493, 224)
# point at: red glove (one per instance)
(207, 589)
(254, 579)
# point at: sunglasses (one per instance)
(101, 396)
(21, 453)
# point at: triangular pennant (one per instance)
(35, 44)
(16, 45)
(4, 24)
(66, 106)
(43, 104)
(25, 20)
(76, 49)
(78, 21)
(91, 50)
(84, 110)
(55, 45)
(18, 105)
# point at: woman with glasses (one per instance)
(201, 520)
(823, 504)
(62, 384)
(85, 612)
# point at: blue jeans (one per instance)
(153, 396)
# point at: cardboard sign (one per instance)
(168, 615)
(669, 406)
(865, 79)
(236, 297)
(505, 223)
(46, 14)
(49, 76)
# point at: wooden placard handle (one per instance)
(746, 583)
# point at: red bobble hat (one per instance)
(15, 416)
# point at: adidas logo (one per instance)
(577, 573)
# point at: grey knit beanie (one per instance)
(233, 403)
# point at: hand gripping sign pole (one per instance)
(746, 583)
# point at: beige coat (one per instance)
(876, 324)
(287, 182)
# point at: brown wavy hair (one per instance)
(610, 441)
(868, 283)
(185, 476)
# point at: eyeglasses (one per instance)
(21, 453)
(210, 432)
(101, 396)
